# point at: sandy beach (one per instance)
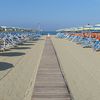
(81, 67)
(18, 68)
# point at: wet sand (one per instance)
(81, 67)
(18, 68)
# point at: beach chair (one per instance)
(88, 42)
(96, 45)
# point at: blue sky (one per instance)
(50, 14)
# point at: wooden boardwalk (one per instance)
(50, 84)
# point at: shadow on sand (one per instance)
(31, 42)
(5, 66)
(19, 48)
(27, 44)
(12, 54)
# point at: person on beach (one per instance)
(48, 36)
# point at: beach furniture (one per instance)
(88, 43)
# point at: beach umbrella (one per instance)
(96, 28)
(86, 28)
(60, 30)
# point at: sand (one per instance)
(81, 68)
(18, 68)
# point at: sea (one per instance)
(48, 32)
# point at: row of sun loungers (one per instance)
(86, 40)
(11, 40)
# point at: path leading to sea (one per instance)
(50, 83)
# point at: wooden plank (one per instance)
(50, 84)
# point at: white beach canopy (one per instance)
(85, 28)
(96, 27)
